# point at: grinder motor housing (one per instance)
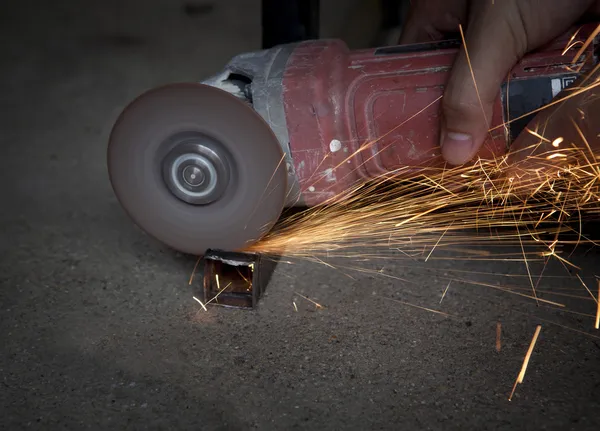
(324, 102)
(211, 165)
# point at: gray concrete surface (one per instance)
(97, 324)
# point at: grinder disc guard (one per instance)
(197, 168)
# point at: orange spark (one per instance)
(317, 305)
(556, 155)
(521, 375)
(445, 291)
(587, 288)
(597, 325)
(419, 307)
(194, 271)
(498, 337)
(200, 302)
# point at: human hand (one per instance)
(498, 34)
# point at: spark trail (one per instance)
(534, 199)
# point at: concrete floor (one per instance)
(97, 324)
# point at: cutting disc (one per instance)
(197, 168)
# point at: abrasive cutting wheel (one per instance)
(197, 168)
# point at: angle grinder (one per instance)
(211, 165)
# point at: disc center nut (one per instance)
(193, 176)
(195, 170)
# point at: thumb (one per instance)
(492, 49)
(498, 35)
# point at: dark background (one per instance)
(97, 322)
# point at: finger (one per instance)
(430, 20)
(498, 36)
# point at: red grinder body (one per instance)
(211, 165)
(344, 116)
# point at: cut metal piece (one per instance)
(197, 168)
(235, 280)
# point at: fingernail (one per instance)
(457, 146)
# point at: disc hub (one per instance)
(196, 171)
(193, 176)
